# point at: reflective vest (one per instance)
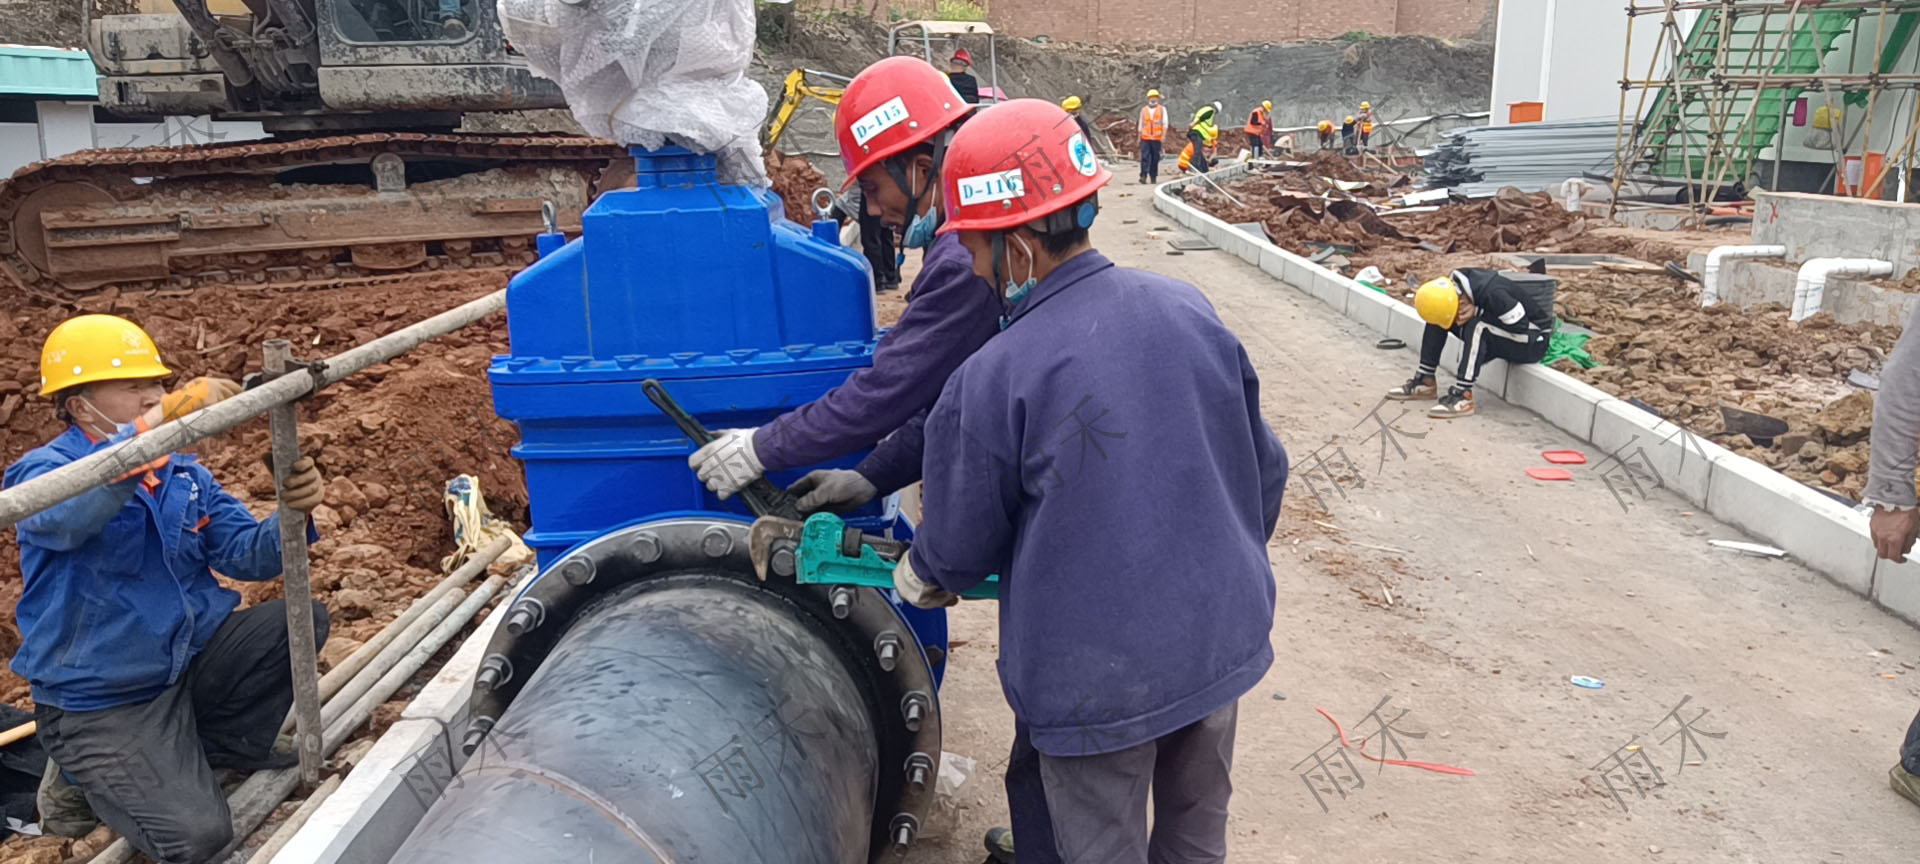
(1256, 123)
(1153, 122)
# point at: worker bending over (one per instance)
(1327, 140)
(1084, 471)
(892, 125)
(1895, 522)
(144, 677)
(1259, 130)
(1153, 133)
(1499, 315)
(1201, 137)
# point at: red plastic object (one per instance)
(1564, 457)
(1549, 473)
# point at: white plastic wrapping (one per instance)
(646, 72)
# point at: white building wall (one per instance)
(1567, 54)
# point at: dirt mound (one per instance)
(386, 438)
(794, 180)
(1658, 345)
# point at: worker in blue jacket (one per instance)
(144, 677)
(1107, 456)
(893, 124)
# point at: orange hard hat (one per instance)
(890, 107)
(1016, 163)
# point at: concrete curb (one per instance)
(389, 790)
(1821, 533)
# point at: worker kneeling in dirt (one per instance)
(892, 125)
(1083, 468)
(144, 677)
(1499, 315)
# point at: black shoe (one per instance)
(999, 846)
(281, 756)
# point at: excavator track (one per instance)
(298, 213)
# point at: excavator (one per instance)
(363, 178)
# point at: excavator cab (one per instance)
(316, 65)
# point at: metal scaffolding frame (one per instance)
(1708, 101)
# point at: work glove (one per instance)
(924, 595)
(304, 487)
(195, 395)
(835, 490)
(727, 464)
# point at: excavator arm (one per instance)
(798, 90)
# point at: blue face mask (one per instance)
(919, 233)
(1017, 291)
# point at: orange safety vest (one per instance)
(1153, 122)
(1256, 123)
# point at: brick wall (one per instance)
(1207, 22)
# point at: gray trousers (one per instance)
(144, 766)
(1099, 803)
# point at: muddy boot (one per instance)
(63, 807)
(1457, 403)
(1904, 783)
(1417, 387)
(999, 846)
(454, 28)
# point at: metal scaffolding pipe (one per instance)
(98, 469)
(689, 717)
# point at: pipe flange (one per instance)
(874, 636)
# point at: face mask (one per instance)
(1017, 292)
(919, 233)
(97, 413)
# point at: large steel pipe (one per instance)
(689, 717)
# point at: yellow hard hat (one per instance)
(1823, 118)
(1366, 106)
(1153, 94)
(1325, 125)
(1268, 104)
(91, 348)
(1071, 103)
(1437, 302)
(1349, 118)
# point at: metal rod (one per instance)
(340, 676)
(294, 572)
(19, 502)
(292, 826)
(1745, 8)
(1873, 93)
(1620, 128)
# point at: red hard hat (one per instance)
(891, 106)
(1017, 162)
(963, 57)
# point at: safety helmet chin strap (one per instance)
(897, 169)
(1080, 215)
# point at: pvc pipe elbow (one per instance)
(1710, 279)
(1810, 286)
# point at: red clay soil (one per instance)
(386, 438)
(795, 179)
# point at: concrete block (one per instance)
(1820, 532)
(1365, 305)
(1493, 379)
(1564, 402)
(1273, 263)
(1324, 284)
(1896, 587)
(1403, 324)
(1682, 461)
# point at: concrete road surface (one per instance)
(1794, 693)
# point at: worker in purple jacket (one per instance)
(893, 125)
(1106, 455)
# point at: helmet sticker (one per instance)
(987, 188)
(879, 120)
(1082, 154)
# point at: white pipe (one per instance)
(1812, 282)
(1710, 281)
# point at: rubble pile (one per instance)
(795, 180)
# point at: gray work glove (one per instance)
(919, 592)
(835, 490)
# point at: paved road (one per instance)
(1506, 589)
